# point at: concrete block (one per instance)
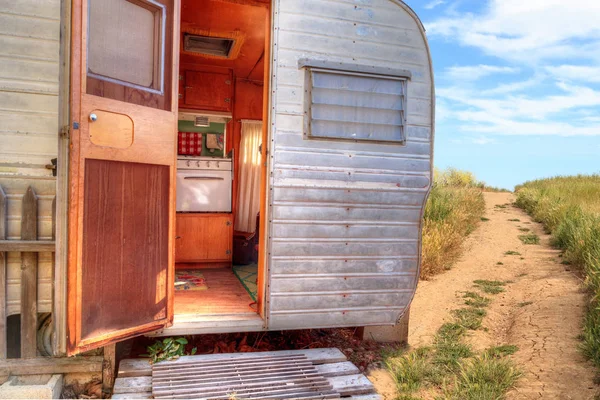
(32, 387)
(387, 334)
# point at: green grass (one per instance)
(569, 208)
(485, 378)
(514, 220)
(524, 229)
(453, 210)
(530, 238)
(476, 300)
(471, 317)
(490, 287)
(450, 365)
(512, 253)
(502, 351)
(499, 263)
(484, 219)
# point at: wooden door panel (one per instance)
(116, 231)
(121, 171)
(203, 237)
(218, 241)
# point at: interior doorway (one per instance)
(223, 61)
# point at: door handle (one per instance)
(93, 117)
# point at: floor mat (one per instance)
(189, 279)
(247, 274)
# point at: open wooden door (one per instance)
(122, 169)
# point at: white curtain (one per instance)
(248, 200)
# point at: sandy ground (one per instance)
(545, 331)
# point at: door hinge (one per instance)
(228, 223)
(52, 166)
(228, 252)
(64, 131)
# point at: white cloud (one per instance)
(558, 44)
(521, 115)
(529, 30)
(475, 72)
(576, 72)
(514, 87)
(434, 4)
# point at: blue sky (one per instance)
(517, 85)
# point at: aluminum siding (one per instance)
(29, 67)
(345, 217)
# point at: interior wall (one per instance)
(243, 20)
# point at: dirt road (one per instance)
(541, 311)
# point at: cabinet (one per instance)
(203, 237)
(208, 90)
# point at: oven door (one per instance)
(203, 190)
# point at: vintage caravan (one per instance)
(175, 167)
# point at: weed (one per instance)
(514, 220)
(530, 238)
(522, 274)
(167, 349)
(525, 303)
(470, 318)
(512, 253)
(502, 351)
(451, 331)
(499, 263)
(485, 378)
(501, 206)
(410, 371)
(491, 287)
(484, 219)
(524, 229)
(475, 300)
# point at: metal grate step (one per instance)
(260, 377)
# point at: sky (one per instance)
(517, 86)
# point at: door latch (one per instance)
(52, 166)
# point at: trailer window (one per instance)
(355, 106)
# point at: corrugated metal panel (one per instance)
(29, 65)
(345, 216)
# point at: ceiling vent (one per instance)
(212, 46)
(201, 121)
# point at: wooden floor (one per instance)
(135, 376)
(225, 295)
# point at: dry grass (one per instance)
(454, 209)
(569, 208)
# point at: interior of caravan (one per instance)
(222, 60)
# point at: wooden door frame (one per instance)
(263, 249)
(73, 248)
